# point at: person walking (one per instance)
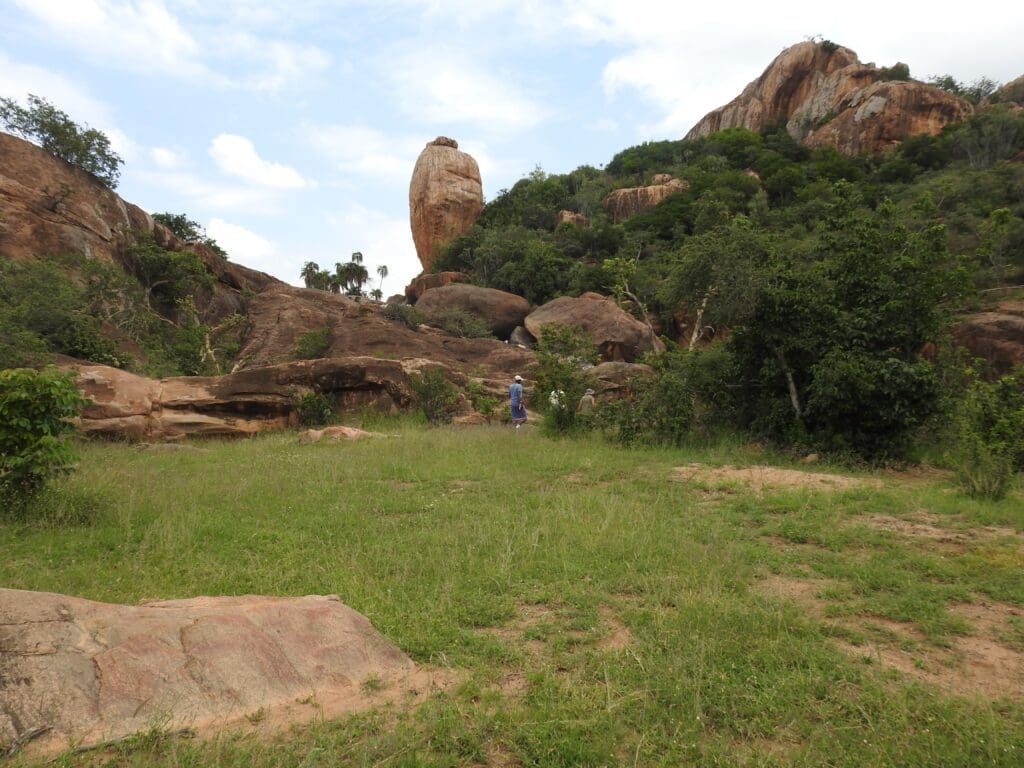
(586, 404)
(516, 404)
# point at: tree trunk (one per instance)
(698, 320)
(794, 397)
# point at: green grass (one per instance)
(447, 539)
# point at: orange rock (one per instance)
(445, 197)
(826, 96)
(622, 204)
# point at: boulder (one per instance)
(127, 406)
(618, 335)
(826, 96)
(612, 380)
(500, 310)
(415, 289)
(996, 336)
(445, 197)
(622, 204)
(80, 672)
(522, 337)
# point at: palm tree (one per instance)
(309, 272)
(377, 293)
(357, 257)
(382, 270)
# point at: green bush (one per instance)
(36, 407)
(459, 322)
(563, 352)
(438, 397)
(313, 409)
(981, 470)
(312, 344)
(482, 402)
(406, 314)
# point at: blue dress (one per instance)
(515, 399)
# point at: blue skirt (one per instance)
(518, 412)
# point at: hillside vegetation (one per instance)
(832, 279)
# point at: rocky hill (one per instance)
(825, 96)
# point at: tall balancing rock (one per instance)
(445, 197)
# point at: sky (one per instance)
(289, 130)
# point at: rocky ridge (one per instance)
(825, 96)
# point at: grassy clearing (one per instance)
(601, 610)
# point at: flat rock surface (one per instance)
(82, 672)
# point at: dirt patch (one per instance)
(542, 632)
(761, 477)
(979, 663)
(927, 526)
(618, 635)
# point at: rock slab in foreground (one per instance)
(92, 672)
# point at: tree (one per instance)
(310, 270)
(382, 270)
(83, 147)
(188, 230)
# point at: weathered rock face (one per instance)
(826, 96)
(1011, 92)
(281, 313)
(500, 310)
(127, 406)
(997, 336)
(622, 204)
(618, 335)
(445, 197)
(415, 289)
(48, 206)
(879, 116)
(91, 672)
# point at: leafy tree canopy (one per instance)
(86, 148)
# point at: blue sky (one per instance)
(290, 129)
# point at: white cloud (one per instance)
(17, 80)
(204, 194)
(446, 89)
(143, 36)
(237, 156)
(245, 246)
(364, 151)
(167, 158)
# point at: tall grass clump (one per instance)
(990, 437)
(438, 397)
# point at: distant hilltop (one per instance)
(825, 96)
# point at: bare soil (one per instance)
(978, 663)
(761, 477)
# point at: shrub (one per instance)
(989, 423)
(312, 344)
(438, 397)
(563, 352)
(482, 402)
(406, 314)
(459, 322)
(313, 409)
(35, 411)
